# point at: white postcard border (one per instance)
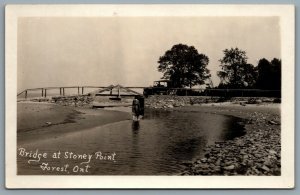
(287, 21)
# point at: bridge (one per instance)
(81, 90)
(119, 91)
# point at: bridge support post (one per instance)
(42, 92)
(63, 89)
(60, 91)
(118, 91)
(26, 94)
(82, 89)
(45, 92)
(78, 90)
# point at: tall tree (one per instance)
(236, 72)
(269, 74)
(276, 67)
(264, 70)
(184, 66)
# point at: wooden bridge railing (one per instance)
(80, 90)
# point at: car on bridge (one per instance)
(160, 87)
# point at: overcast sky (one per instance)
(122, 50)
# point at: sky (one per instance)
(100, 51)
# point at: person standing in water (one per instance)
(136, 108)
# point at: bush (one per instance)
(277, 100)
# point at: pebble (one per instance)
(229, 167)
(265, 168)
(272, 152)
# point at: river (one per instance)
(157, 145)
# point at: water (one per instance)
(157, 145)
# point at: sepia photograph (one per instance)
(122, 94)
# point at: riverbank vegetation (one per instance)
(184, 66)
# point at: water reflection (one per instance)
(135, 126)
(135, 149)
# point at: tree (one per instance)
(269, 74)
(184, 66)
(276, 69)
(249, 76)
(236, 72)
(263, 68)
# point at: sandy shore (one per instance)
(37, 121)
(258, 152)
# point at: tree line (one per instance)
(184, 66)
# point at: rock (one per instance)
(272, 152)
(265, 168)
(257, 155)
(198, 162)
(250, 163)
(268, 162)
(242, 104)
(185, 173)
(258, 101)
(218, 162)
(204, 172)
(230, 167)
(203, 166)
(207, 155)
(273, 122)
(170, 106)
(257, 172)
(228, 163)
(269, 100)
(217, 168)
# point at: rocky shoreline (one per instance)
(258, 152)
(169, 102)
(72, 100)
